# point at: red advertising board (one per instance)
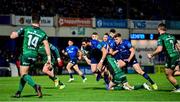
(79, 22)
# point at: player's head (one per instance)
(162, 28)
(105, 37)
(95, 36)
(36, 18)
(70, 42)
(86, 42)
(112, 32)
(118, 38)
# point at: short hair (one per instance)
(162, 26)
(94, 33)
(106, 34)
(85, 40)
(71, 40)
(113, 30)
(36, 18)
(117, 35)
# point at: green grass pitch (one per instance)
(89, 91)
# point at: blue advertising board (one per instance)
(173, 24)
(5, 19)
(110, 23)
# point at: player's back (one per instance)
(33, 37)
(168, 42)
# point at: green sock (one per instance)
(21, 84)
(136, 87)
(29, 80)
(118, 88)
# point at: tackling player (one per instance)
(125, 54)
(49, 70)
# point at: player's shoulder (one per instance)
(126, 41)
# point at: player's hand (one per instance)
(79, 57)
(149, 56)
(127, 60)
(60, 62)
(63, 51)
(48, 65)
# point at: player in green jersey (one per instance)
(49, 70)
(33, 38)
(168, 43)
(118, 77)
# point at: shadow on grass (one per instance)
(49, 87)
(95, 88)
(27, 96)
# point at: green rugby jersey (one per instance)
(33, 37)
(168, 42)
(54, 51)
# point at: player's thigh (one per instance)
(169, 71)
(76, 67)
(24, 70)
(93, 67)
(69, 65)
(121, 63)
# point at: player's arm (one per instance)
(55, 51)
(80, 54)
(64, 52)
(47, 49)
(158, 50)
(177, 45)
(16, 34)
(132, 50)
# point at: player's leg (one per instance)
(171, 78)
(177, 71)
(76, 68)
(138, 69)
(68, 67)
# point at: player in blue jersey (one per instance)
(72, 51)
(126, 56)
(97, 55)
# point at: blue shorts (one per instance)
(131, 63)
(73, 61)
(94, 60)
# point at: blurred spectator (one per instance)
(116, 9)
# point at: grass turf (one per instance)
(89, 91)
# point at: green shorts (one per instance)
(28, 59)
(172, 62)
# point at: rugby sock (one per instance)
(106, 80)
(176, 86)
(136, 87)
(29, 80)
(118, 88)
(21, 84)
(53, 78)
(71, 75)
(146, 76)
(83, 77)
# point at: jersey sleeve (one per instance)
(20, 31)
(160, 42)
(100, 45)
(128, 44)
(55, 51)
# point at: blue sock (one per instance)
(83, 77)
(106, 80)
(146, 76)
(71, 75)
